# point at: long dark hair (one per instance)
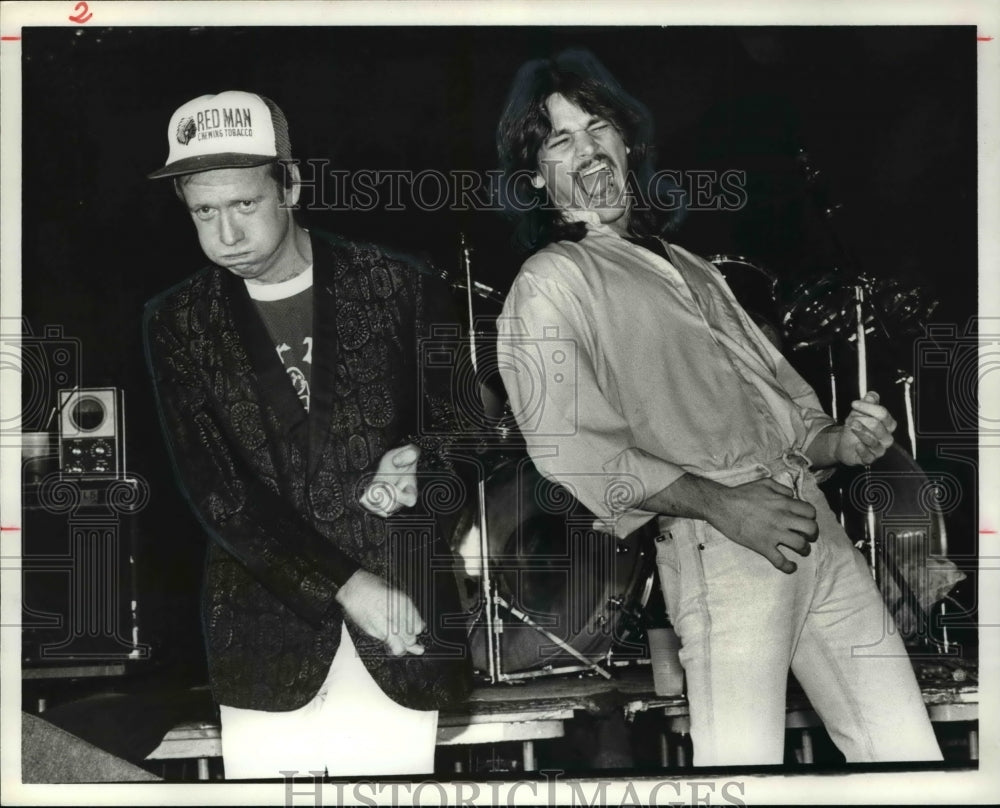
(580, 78)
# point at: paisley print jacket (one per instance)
(276, 489)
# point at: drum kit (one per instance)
(893, 509)
(555, 595)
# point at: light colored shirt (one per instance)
(626, 371)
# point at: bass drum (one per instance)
(581, 585)
(911, 566)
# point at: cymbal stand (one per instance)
(816, 186)
(493, 625)
(841, 511)
(859, 301)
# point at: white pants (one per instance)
(743, 624)
(350, 728)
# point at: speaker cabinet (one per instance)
(79, 600)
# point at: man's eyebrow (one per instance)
(590, 122)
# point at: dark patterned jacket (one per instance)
(277, 489)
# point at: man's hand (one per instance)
(866, 433)
(382, 612)
(394, 485)
(762, 515)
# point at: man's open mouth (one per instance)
(598, 182)
(600, 165)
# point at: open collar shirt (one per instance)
(626, 371)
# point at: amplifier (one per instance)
(90, 431)
(78, 549)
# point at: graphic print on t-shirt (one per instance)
(287, 311)
(294, 361)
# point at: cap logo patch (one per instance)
(186, 130)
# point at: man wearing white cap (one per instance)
(298, 423)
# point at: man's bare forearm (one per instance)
(822, 452)
(688, 496)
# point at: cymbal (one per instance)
(820, 310)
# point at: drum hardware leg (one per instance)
(552, 637)
(664, 750)
(680, 725)
(529, 756)
(807, 748)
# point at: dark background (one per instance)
(887, 114)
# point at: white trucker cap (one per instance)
(233, 129)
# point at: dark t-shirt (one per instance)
(287, 310)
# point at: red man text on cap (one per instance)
(212, 119)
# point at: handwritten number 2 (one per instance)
(82, 13)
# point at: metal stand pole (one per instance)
(859, 300)
(492, 640)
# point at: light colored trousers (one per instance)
(349, 728)
(743, 624)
